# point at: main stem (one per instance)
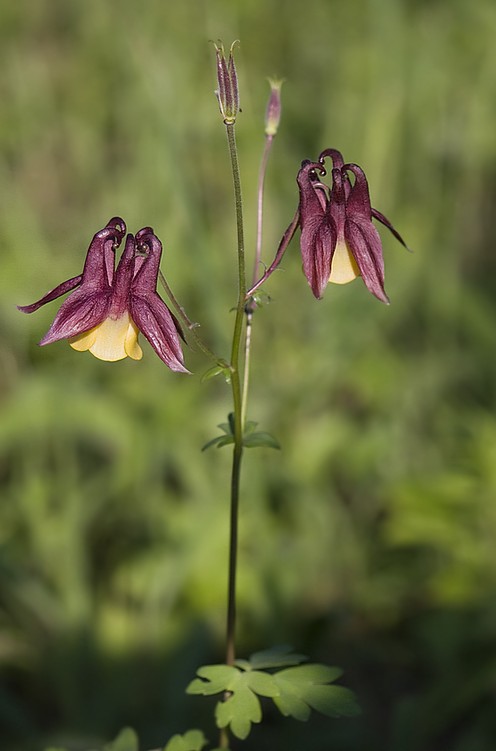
(237, 406)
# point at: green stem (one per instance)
(237, 401)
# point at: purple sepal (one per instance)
(79, 313)
(385, 221)
(365, 244)
(318, 230)
(154, 320)
(362, 237)
(52, 295)
(148, 310)
(98, 267)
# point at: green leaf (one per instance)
(242, 707)
(219, 441)
(127, 740)
(193, 740)
(275, 657)
(305, 687)
(239, 711)
(295, 690)
(310, 674)
(255, 440)
(214, 679)
(333, 701)
(250, 438)
(217, 370)
(291, 705)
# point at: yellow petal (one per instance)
(343, 267)
(84, 341)
(113, 339)
(133, 350)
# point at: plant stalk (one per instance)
(237, 401)
(237, 414)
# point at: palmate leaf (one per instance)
(295, 690)
(193, 740)
(242, 707)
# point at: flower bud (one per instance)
(273, 111)
(227, 84)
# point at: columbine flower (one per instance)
(338, 240)
(111, 306)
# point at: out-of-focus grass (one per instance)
(368, 541)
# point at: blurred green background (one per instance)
(369, 540)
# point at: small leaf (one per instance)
(215, 371)
(219, 441)
(255, 440)
(275, 657)
(193, 740)
(239, 711)
(127, 740)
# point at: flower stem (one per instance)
(237, 400)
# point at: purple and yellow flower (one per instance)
(338, 240)
(110, 306)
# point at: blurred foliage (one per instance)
(368, 541)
